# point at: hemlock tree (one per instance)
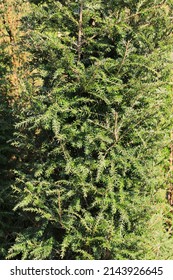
(93, 132)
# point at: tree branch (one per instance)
(79, 46)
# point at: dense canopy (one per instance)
(85, 124)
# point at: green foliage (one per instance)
(93, 135)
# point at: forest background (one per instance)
(85, 129)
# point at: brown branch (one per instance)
(116, 126)
(125, 55)
(89, 39)
(80, 31)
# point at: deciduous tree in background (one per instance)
(12, 73)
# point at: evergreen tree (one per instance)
(94, 132)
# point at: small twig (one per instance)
(116, 130)
(89, 39)
(60, 209)
(125, 55)
(116, 126)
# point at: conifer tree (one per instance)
(94, 137)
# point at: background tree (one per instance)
(11, 72)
